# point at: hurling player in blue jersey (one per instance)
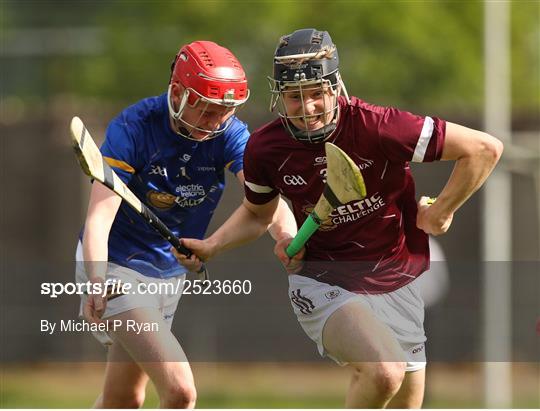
(172, 151)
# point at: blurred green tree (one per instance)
(424, 56)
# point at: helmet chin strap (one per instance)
(179, 129)
(315, 136)
(182, 131)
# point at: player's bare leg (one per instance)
(125, 382)
(411, 393)
(353, 335)
(160, 356)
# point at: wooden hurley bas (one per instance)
(344, 183)
(94, 165)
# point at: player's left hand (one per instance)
(431, 218)
(95, 304)
(292, 264)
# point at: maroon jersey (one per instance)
(368, 246)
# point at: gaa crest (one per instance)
(332, 294)
(160, 200)
(229, 95)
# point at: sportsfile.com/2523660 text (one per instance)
(115, 287)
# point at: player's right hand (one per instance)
(202, 251)
(292, 264)
(192, 263)
(94, 306)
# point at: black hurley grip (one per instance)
(331, 197)
(108, 174)
(155, 222)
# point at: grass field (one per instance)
(253, 386)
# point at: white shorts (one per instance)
(401, 310)
(165, 302)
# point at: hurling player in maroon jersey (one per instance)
(352, 287)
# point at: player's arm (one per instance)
(102, 209)
(476, 153)
(283, 224)
(247, 223)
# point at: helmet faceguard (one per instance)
(204, 74)
(307, 60)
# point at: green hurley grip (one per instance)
(312, 223)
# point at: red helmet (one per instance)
(212, 72)
(209, 74)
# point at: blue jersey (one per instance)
(179, 179)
